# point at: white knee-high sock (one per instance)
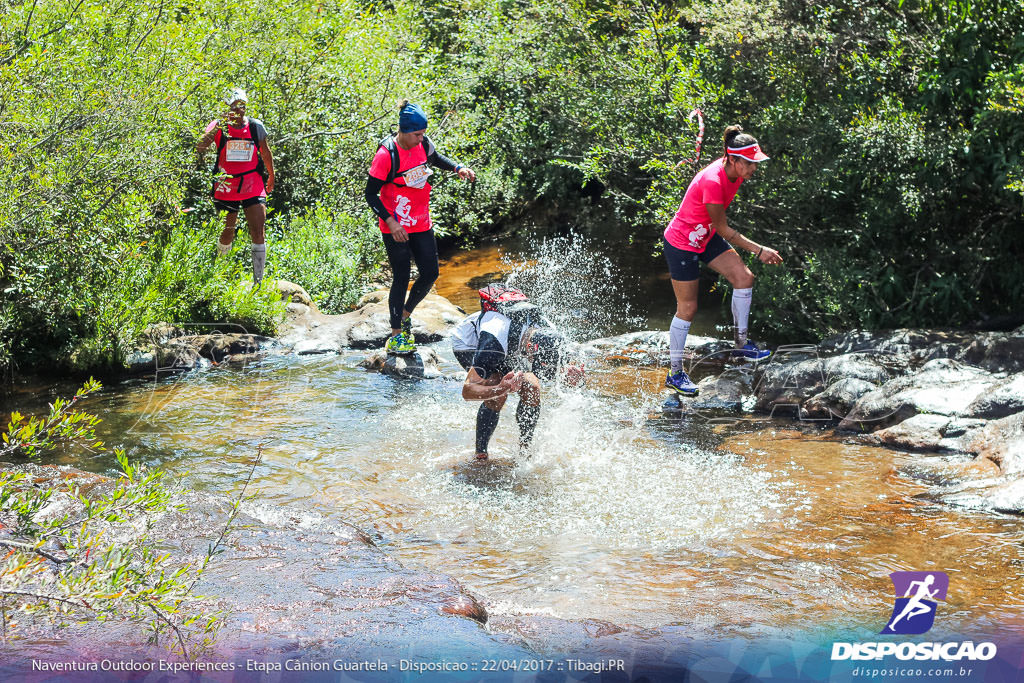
(741, 313)
(676, 341)
(259, 260)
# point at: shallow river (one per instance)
(623, 514)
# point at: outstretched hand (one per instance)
(770, 256)
(466, 173)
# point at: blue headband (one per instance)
(411, 118)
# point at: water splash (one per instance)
(576, 286)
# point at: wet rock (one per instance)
(724, 392)
(544, 633)
(465, 605)
(927, 432)
(790, 384)
(1006, 398)
(1002, 442)
(308, 347)
(837, 399)
(424, 363)
(176, 355)
(996, 352)
(295, 294)
(367, 327)
(1002, 494)
(217, 347)
(901, 343)
(650, 347)
(942, 387)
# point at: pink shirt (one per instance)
(409, 205)
(691, 228)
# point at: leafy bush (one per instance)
(63, 563)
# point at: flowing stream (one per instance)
(622, 514)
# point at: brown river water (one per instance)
(624, 513)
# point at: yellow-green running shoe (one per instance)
(400, 344)
(407, 330)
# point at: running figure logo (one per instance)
(403, 209)
(914, 611)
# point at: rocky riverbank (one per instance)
(954, 394)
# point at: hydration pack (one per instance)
(501, 298)
(391, 146)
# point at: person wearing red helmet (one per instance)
(700, 232)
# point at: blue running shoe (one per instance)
(681, 384)
(751, 352)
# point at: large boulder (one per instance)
(295, 294)
(902, 343)
(309, 331)
(723, 392)
(835, 402)
(942, 387)
(999, 494)
(790, 384)
(1006, 398)
(992, 351)
(926, 432)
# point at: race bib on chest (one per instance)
(417, 177)
(238, 150)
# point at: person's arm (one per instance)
(268, 162)
(476, 388)
(372, 194)
(732, 236)
(442, 162)
(209, 135)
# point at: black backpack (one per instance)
(391, 146)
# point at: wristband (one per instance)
(759, 252)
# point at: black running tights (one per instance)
(421, 247)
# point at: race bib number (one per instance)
(238, 150)
(417, 177)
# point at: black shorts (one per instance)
(233, 205)
(685, 265)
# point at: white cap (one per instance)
(234, 95)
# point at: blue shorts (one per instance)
(685, 265)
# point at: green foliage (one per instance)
(74, 556)
(64, 424)
(895, 133)
(329, 253)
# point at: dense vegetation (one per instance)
(895, 192)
